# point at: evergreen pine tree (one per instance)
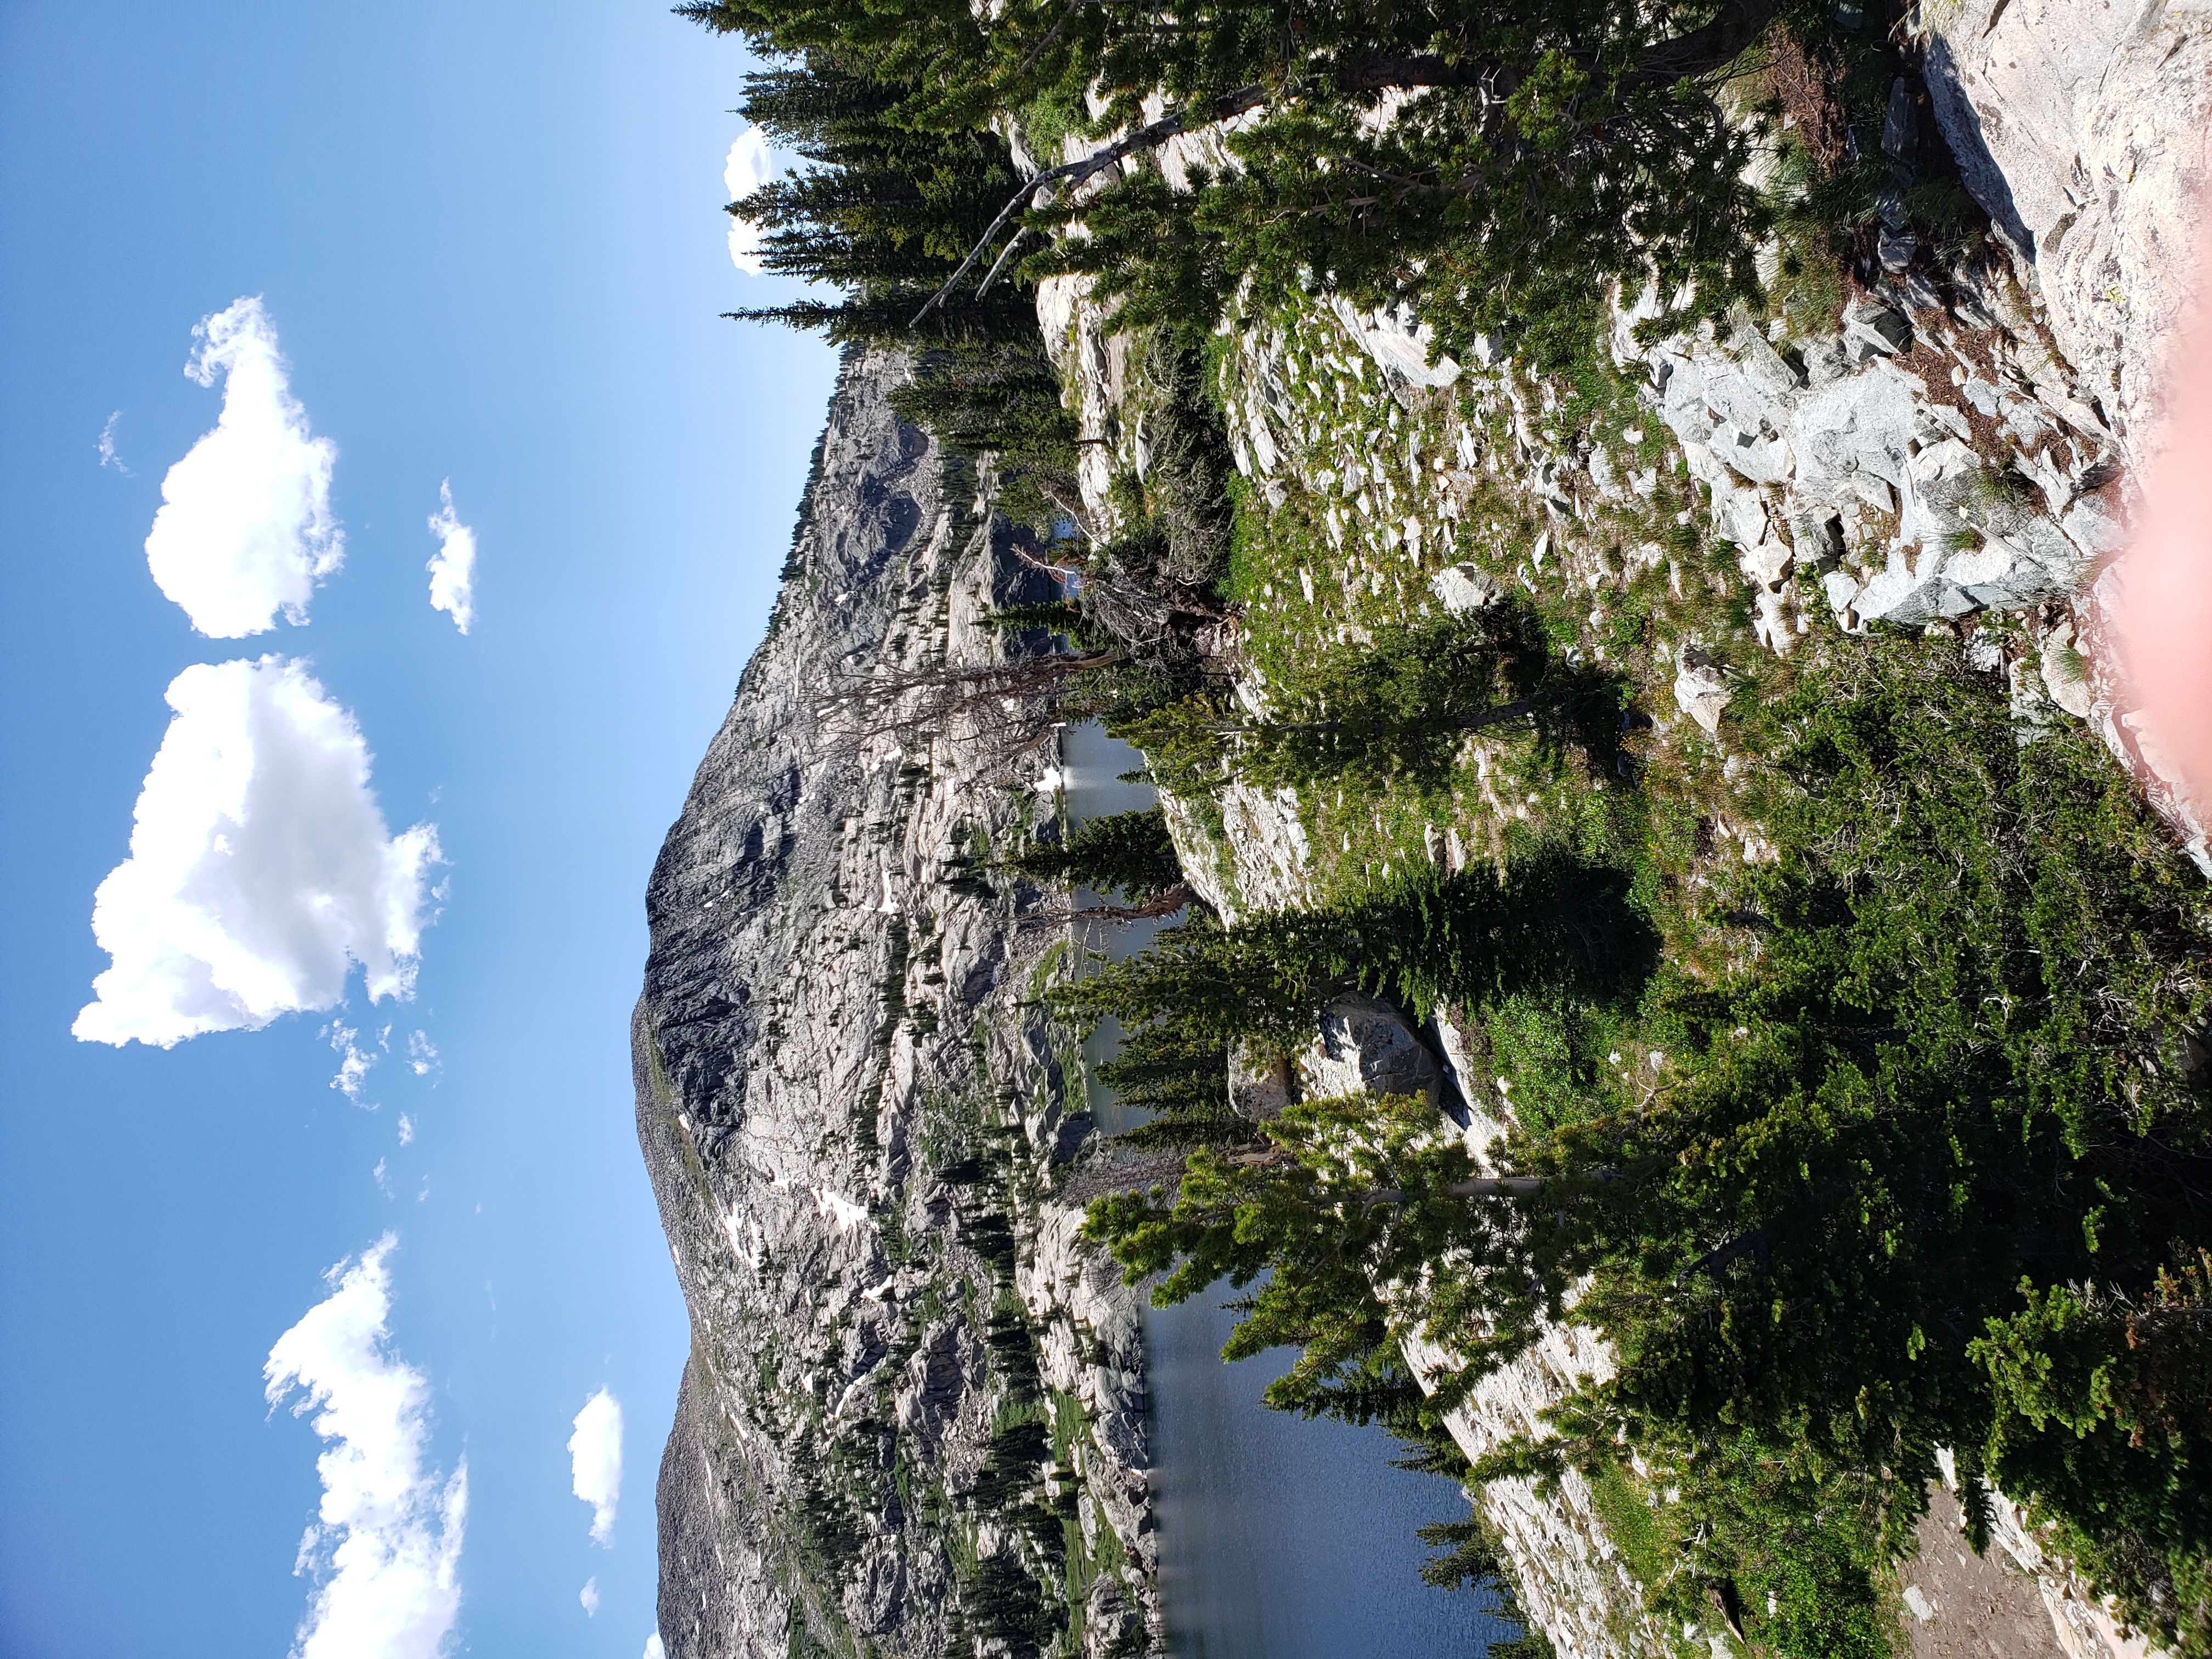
(1399, 710)
(1124, 854)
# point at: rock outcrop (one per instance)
(1368, 1047)
(914, 1403)
(1911, 462)
(2084, 129)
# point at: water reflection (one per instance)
(1280, 1539)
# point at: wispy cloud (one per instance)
(259, 865)
(354, 1061)
(107, 455)
(422, 1056)
(246, 528)
(454, 567)
(386, 1545)
(589, 1596)
(406, 1129)
(750, 164)
(595, 1461)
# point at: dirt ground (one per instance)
(1978, 1607)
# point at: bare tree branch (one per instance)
(1166, 903)
(1012, 242)
(1075, 174)
(1497, 1187)
(1702, 51)
(999, 711)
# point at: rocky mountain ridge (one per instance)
(914, 1405)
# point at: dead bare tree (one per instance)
(1698, 55)
(1165, 902)
(1141, 610)
(993, 712)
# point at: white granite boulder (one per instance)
(1369, 1046)
(1701, 689)
(1463, 589)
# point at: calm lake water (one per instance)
(1280, 1539)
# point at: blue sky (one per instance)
(484, 237)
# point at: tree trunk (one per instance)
(1165, 903)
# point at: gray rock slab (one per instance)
(1463, 589)
(2084, 128)
(1367, 1046)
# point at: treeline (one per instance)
(882, 213)
(1528, 162)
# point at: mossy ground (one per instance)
(1383, 493)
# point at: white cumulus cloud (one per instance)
(259, 865)
(386, 1545)
(653, 1648)
(454, 567)
(750, 165)
(246, 530)
(595, 1461)
(588, 1597)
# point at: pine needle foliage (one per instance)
(1130, 855)
(1400, 709)
(1908, 1174)
(1551, 921)
(884, 212)
(1180, 1077)
(1533, 157)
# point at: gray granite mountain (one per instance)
(913, 1404)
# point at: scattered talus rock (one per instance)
(1464, 589)
(850, 1109)
(1701, 689)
